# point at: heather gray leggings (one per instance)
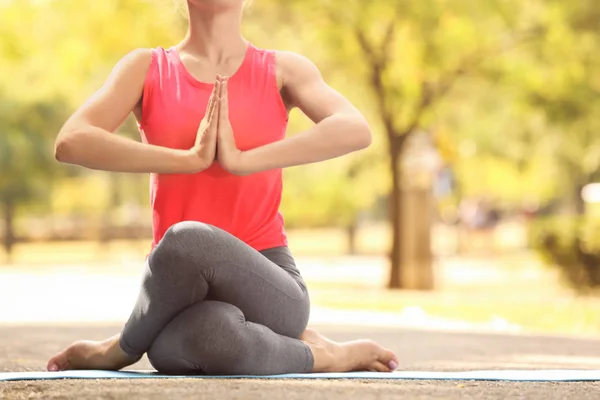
(210, 304)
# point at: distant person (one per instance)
(479, 218)
(221, 293)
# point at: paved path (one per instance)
(27, 348)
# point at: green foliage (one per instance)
(26, 159)
(518, 81)
(67, 47)
(570, 244)
(415, 50)
(26, 136)
(55, 55)
(563, 85)
(435, 66)
(330, 194)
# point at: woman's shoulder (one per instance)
(134, 64)
(291, 58)
(292, 66)
(283, 56)
(144, 55)
(139, 57)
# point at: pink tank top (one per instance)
(174, 103)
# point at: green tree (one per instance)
(566, 88)
(68, 55)
(499, 146)
(27, 133)
(409, 55)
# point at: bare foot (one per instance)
(85, 354)
(359, 355)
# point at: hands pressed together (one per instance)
(215, 140)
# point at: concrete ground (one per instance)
(27, 347)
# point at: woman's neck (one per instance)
(215, 34)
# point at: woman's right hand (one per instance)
(205, 148)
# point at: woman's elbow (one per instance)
(65, 147)
(363, 136)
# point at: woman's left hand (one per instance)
(228, 155)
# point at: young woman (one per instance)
(221, 293)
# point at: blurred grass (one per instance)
(563, 315)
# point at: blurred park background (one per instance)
(477, 201)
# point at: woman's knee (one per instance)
(171, 364)
(188, 239)
(188, 234)
(206, 338)
(223, 346)
(297, 321)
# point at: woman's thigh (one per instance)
(267, 293)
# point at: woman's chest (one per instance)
(174, 113)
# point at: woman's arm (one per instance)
(86, 138)
(339, 127)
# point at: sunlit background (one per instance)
(475, 207)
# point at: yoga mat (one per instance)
(484, 375)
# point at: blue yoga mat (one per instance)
(484, 375)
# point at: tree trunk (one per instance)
(9, 228)
(578, 203)
(107, 228)
(410, 214)
(395, 204)
(351, 237)
(572, 201)
(417, 257)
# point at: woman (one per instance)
(221, 293)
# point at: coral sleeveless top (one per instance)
(173, 104)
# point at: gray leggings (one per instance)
(210, 304)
